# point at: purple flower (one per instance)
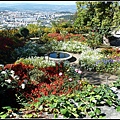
(111, 60)
(97, 62)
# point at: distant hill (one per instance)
(38, 7)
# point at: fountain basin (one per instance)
(59, 56)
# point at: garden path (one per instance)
(93, 77)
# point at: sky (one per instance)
(43, 2)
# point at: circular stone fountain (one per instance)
(116, 33)
(59, 56)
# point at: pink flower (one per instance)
(76, 70)
(79, 71)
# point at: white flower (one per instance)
(12, 75)
(3, 72)
(16, 77)
(64, 47)
(12, 71)
(70, 79)
(9, 81)
(60, 74)
(23, 85)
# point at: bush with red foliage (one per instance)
(52, 71)
(54, 83)
(20, 69)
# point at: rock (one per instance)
(106, 41)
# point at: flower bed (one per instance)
(101, 60)
(61, 91)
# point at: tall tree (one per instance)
(97, 14)
(24, 32)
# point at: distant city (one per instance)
(22, 14)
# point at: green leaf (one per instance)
(97, 111)
(82, 108)
(63, 111)
(92, 114)
(109, 102)
(28, 116)
(118, 108)
(36, 104)
(55, 115)
(102, 117)
(76, 115)
(41, 107)
(69, 108)
(74, 109)
(92, 93)
(3, 116)
(53, 105)
(1, 113)
(92, 98)
(98, 96)
(7, 107)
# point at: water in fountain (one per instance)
(58, 55)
